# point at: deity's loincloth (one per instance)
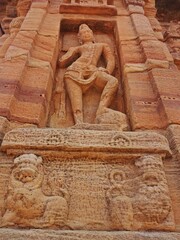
(83, 74)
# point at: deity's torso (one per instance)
(89, 55)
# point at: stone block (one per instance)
(135, 9)
(46, 49)
(51, 25)
(25, 39)
(33, 19)
(134, 68)
(5, 104)
(82, 235)
(125, 29)
(28, 112)
(38, 79)
(11, 71)
(131, 52)
(155, 24)
(90, 8)
(16, 52)
(142, 27)
(39, 4)
(156, 27)
(166, 84)
(154, 50)
(142, 102)
(10, 80)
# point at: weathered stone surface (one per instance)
(172, 38)
(65, 140)
(82, 235)
(90, 176)
(33, 20)
(143, 27)
(122, 167)
(4, 126)
(167, 84)
(173, 135)
(23, 7)
(143, 105)
(172, 168)
(83, 7)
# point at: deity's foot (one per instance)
(112, 117)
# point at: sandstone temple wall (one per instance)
(89, 124)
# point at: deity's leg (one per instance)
(75, 95)
(109, 84)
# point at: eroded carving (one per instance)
(135, 2)
(88, 2)
(14, 28)
(172, 37)
(23, 7)
(142, 202)
(26, 205)
(152, 202)
(120, 205)
(120, 140)
(127, 193)
(84, 140)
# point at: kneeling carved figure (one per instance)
(26, 205)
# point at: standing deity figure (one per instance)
(83, 73)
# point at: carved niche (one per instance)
(88, 82)
(89, 194)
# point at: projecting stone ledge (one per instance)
(84, 142)
(13, 234)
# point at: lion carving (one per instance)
(26, 205)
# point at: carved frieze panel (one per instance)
(135, 2)
(100, 7)
(89, 194)
(61, 141)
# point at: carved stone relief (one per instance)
(6, 40)
(23, 7)
(90, 194)
(74, 140)
(99, 7)
(172, 37)
(87, 72)
(135, 2)
(26, 205)
(87, 2)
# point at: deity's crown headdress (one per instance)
(84, 26)
(28, 159)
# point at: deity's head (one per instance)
(85, 34)
(27, 167)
